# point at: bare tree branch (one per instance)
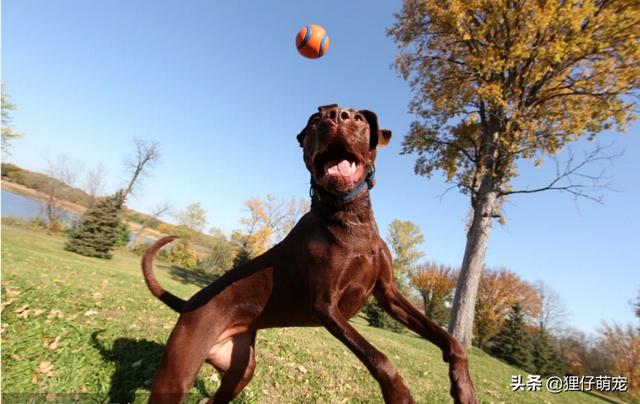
(573, 178)
(61, 173)
(146, 155)
(553, 311)
(95, 181)
(157, 211)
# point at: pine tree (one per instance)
(377, 317)
(94, 235)
(512, 341)
(374, 314)
(540, 352)
(122, 235)
(545, 359)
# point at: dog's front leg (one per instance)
(393, 388)
(402, 310)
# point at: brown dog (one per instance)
(319, 275)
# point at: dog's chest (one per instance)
(356, 282)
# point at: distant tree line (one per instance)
(267, 221)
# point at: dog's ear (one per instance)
(384, 137)
(301, 136)
(378, 137)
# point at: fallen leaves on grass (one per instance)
(55, 343)
(46, 368)
(12, 292)
(7, 302)
(23, 312)
(37, 312)
(90, 312)
(55, 313)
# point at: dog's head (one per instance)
(340, 145)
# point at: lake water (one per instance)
(14, 205)
(23, 207)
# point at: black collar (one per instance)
(338, 201)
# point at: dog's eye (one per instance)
(358, 117)
(314, 121)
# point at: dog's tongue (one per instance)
(343, 167)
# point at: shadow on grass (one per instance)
(189, 277)
(136, 362)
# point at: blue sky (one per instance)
(221, 87)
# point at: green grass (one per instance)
(72, 324)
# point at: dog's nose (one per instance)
(338, 115)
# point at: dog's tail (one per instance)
(158, 291)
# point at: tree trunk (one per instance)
(464, 301)
(425, 303)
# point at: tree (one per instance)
(622, 345)
(499, 81)
(582, 355)
(512, 342)
(193, 217)
(94, 235)
(499, 291)
(269, 220)
(248, 245)
(404, 237)
(220, 256)
(60, 173)
(278, 215)
(295, 209)
(157, 211)
(545, 358)
(146, 155)
(95, 181)
(553, 311)
(435, 283)
(8, 133)
(377, 317)
(122, 234)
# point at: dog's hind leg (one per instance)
(187, 348)
(235, 360)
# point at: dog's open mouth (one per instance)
(338, 171)
(343, 168)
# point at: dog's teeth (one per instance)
(353, 167)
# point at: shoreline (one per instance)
(71, 207)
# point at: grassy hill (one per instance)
(72, 324)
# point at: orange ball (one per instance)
(312, 41)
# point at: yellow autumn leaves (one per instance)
(542, 73)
